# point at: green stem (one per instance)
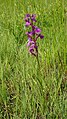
(38, 72)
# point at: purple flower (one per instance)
(37, 31)
(29, 39)
(27, 15)
(27, 24)
(33, 35)
(27, 18)
(30, 34)
(41, 36)
(33, 49)
(33, 17)
(30, 42)
(34, 27)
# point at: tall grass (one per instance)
(22, 96)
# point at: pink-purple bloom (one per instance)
(33, 35)
(30, 42)
(27, 24)
(37, 31)
(33, 17)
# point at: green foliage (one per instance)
(27, 92)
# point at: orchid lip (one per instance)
(27, 24)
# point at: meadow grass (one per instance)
(27, 92)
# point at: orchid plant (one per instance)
(33, 35)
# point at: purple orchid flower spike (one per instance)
(32, 35)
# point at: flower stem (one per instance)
(39, 73)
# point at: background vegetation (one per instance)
(25, 91)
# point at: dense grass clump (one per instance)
(26, 90)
